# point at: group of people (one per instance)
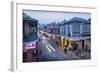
(75, 50)
(72, 49)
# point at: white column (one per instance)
(70, 26)
(66, 30)
(81, 30)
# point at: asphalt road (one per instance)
(48, 51)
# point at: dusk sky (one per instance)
(46, 17)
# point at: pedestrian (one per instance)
(65, 50)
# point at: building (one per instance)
(29, 38)
(77, 30)
(75, 27)
(29, 28)
(64, 28)
(52, 28)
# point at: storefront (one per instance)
(83, 45)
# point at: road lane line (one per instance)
(51, 48)
(48, 48)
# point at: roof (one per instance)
(27, 18)
(77, 20)
(53, 24)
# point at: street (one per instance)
(49, 50)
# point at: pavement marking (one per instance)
(48, 48)
(51, 48)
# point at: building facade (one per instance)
(76, 27)
(29, 38)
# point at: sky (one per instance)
(45, 17)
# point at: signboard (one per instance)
(30, 45)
